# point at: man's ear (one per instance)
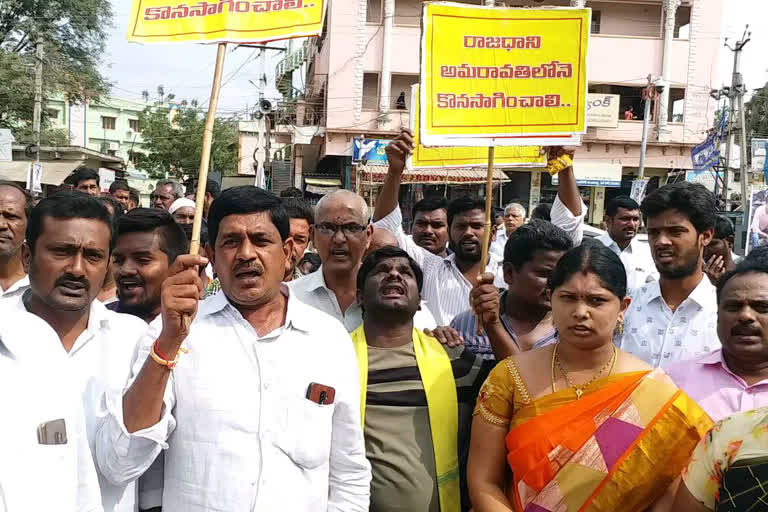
(706, 236)
(26, 256)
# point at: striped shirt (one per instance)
(445, 289)
(398, 437)
(466, 325)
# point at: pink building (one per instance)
(369, 55)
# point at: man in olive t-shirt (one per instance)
(398, 434)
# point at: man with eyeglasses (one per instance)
(341, 234)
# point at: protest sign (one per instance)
(502, 76)
(155, 21)
(757, 223)
(464, 156)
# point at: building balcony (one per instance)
(630, 59)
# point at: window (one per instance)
(401, 84)
(133, 157)
(373, 11)
(676, 105)
(112, 152)
(108, 123)
(408, 12)
(631, 104)
(370, 91)
(595, 28)
(683, 22)
(133, 124)
(53, 113)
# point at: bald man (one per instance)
(341, 234)
(381, 238)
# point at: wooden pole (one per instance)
(205, 157)
(488, 222)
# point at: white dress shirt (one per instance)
(636, 258)
(497, 247)
(238, 432)
(659, 336)
(312, 290)
(16, 289)
(445, 289)
(573, 225)
(100, 360)
(37, 477)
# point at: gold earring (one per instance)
(620, 328)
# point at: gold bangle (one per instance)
(558, 164)
(164, 362)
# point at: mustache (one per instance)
(745, 330)
(70, 278)
(249, 267)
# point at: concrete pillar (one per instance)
(385, 78)
(670, 10)
(578, 3)
(362, 15)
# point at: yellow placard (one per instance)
(162, 21)
(446, 157)
(503, 72)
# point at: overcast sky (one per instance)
(187, 69)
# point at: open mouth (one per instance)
(581, 330)
(339, 253)
(393, 290)
(73, 288)
(130, 285)
(248, 274)
(665, 256)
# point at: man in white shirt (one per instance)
(622, 219)
(514, 217)
(15, 204)
(66, 255)
(448, 281)
(341, 235)
(262, 412)
(675, 317)
(45, 464)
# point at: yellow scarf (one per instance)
(442, 403)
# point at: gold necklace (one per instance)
(579, 390)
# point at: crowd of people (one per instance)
(319, 358)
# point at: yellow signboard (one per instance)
(447, 157)
(162, 21)
(502, 74)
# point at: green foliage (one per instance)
(73, 34)
(173, 140)
(756, 114)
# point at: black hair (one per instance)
(592, 256)
(312, 258)
(723, 228)
(83, 174)
(212, 187)
(247, 199)
(173, 241)
(536, 235)
(66, 205)
(299, 209)
(464, 204)
(386, 253)
(542, 212)
(430, 204)
(755, 262)
(292, 192)
(691, 199)
(28, 202)
(134, 195)
(119, 185)
(116, 205)
(626, 202)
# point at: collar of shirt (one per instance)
(610, 243)
(704, 294)
(549, 338)
(293, 316)
(20, 285)
(716, 359)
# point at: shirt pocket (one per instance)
(307, 438)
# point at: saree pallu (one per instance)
(617, 448)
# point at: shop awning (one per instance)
(322, 186)
(54, 173)
(375, 174)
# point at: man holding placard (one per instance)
(448, 281)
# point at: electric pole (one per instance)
(736, 102)
(648, 95)
(37, 114)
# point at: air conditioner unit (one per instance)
(113, 146)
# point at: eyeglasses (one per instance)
(330, 229)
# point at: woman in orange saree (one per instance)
(581, 425)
